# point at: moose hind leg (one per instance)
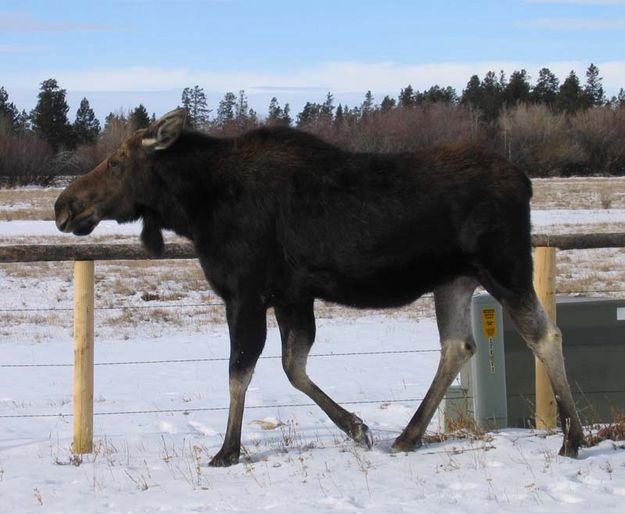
(297, 330)
(453, 316)
(545, 339)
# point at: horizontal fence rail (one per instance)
(107, 252)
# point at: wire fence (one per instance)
(216, 359)
(213, 359)
(156, 305)
(187, 411)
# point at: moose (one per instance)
(279, 218)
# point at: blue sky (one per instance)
(119, 53)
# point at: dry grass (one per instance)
(586, 193)
(28, 203)
(463, 426)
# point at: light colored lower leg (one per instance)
(453, 316)
(238, 388)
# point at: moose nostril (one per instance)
(62, 219)
(62, 213)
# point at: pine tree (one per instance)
(436, 94)
(86, 125)
(252, 117)
(139, 118)
(286, 115)
(275, 111)
(23, 123)
(277, 115)
(593, 90)
(351, 116)
(570, 96)
(326, 112)
(241, 109)
(114, 121)
(388, 104)
(194, 102)
(486, 96)
(517, 90)
(338, 117)
(546, 89)
(9, 115)
(620, 99)
(49, 117)
(225, 111)
(492, 95)
(407, 97)
(367, 106)
(309, 113)
(472, 94)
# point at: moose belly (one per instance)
(392, 285)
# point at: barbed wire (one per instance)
(210, 409)
(221, 303)
(115, 308)
(216, 359)
(187, 411)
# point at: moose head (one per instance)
(121, 187)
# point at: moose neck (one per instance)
(181, 172)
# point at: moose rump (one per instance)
(280, 218)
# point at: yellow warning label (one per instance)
(489, 323)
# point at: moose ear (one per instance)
(165, 131)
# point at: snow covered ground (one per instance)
(158, 424)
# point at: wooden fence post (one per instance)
(545, 285)
(83, 356)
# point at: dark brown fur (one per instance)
(279, 218)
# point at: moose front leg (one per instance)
(248, 330)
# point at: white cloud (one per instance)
(575, 23)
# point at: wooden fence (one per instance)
(85, 255)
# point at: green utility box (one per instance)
(593, 331)
(484, 376)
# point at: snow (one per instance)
(48, 228)
(543, 220)
(153, 458)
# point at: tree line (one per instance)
(549, 127)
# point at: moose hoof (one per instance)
(571, 444)
(224, 459)
(361, 434)
(569, 450)
(403, 445)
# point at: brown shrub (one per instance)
(538, 139)
(24, 160)
(600, 132)
(614, 431)
(404, 129)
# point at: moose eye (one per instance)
(113, 164)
